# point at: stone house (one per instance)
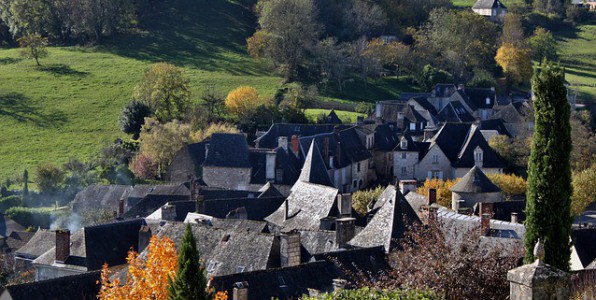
(227, 163)
(384, 141)
(474, 188)
(406, 157)
(76, 287)
(286, 131)
(494, 9)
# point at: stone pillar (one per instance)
(538, 281)
(345, 230)
(144, 238)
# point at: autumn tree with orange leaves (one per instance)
(515, 61)
(147, 277)
(243, 101)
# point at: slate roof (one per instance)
(372, 261)
(151, 203)
(385, 137)
(282, 283)
(15, 240)
(256, 208)
(182, 209)
(308, 203)
(390, 221)
(486, 4)
(411, 145)
(93, 246)
(227, 249)
(509, 114)
(390, 110)
(502, 210)
(285, 161)
(475, 181)
(476, 97)
(352, 147)
(495, 124)
(458, 141)
(317, 241)
(332, 118)
(42, 241)
(422, 100)
(211, 193)
(443, 90)
(314, 169)
(8, 225)
(454, 111)
(408, 96)
(141, 191)
(76, 287)
(269, 190)
(584, 241)
(100, 196)
(270, 139)
(227, 150)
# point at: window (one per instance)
(404, 170)
(358, 167)
(400, 115)
(240, 269)
(437, 174)
(279, 175)
(421, 125)
(478, 156)
(487, 101)
(403, 155)
(435, 159)
(211, 266)
(355, 183)
(404, 144)
(412, 126)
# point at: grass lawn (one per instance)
(577, 50)
(345, 116)
(69, 107)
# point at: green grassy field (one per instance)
(577, 50)
(69, 107)
(345, 116)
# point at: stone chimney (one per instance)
(485, 223)
(344, 205)
(282, 142)
(144, 237)
(295, 144)
(432, 197)
(62, 245)
(168, 212)
(286, 209)
(240, 291)
(270, 166)
(486, 208)
(513, 217)
(345, 230)
(407, 185)
(289, 249)
(120, 207)
(378, 108)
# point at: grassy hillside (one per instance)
(577, 49)
(69, 107)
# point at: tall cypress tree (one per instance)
(190, 282)
(548, 216)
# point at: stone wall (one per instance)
(409, 163)
(426, 164)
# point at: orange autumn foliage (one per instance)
(244, 100)
(442, 187)
(147, 277)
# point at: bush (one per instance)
(361, 199)
(10, 201)
(510, 184)
(372, 294)
(442, 187)
(37, 217)
(133, 117)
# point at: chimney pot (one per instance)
(282, 142)
(485, 222)
(295, 144)
(513, 217)
(432, 196)
(345, 230)
(62, 245)
(168, 212)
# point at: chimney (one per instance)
(338, 153)
(432, 214)
(282, 142)
(240, 291)
(198, 198)
(326, 148)
(513, 217)
(486, 208)
(432, 196)
(289, 249)
(270, 166)
(120, 207)
(286, 209)
(62, 245)
(485, 223)
(168, 212)
(378, 108)
(295, 144)
(144, 237)
(359, 120)
(344, 205)
(345, 230)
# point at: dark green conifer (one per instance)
(190, 282)
(549, 172)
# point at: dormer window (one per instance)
(487, 101)
(400, 115)
(404, 144)
(478, 155)
(412, 126)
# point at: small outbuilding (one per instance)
(474, 188)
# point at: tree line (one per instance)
(65, 21)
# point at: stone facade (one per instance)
(359, 175)
(469, 199)
(538, 281)
(290, 249)
(404, 168)
(228, 178)
(384, 163)
(182, 167)
(434, 164)
(49, 272)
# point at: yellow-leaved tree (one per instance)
(442, 187)
(510, 184)
(147, 277)
(243, 101)
(584, 190)
(515, 61)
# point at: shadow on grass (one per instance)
(9, 60)
(579, 73)
(62, 70)
(20, 108)
(370, 90)
(206, 34)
